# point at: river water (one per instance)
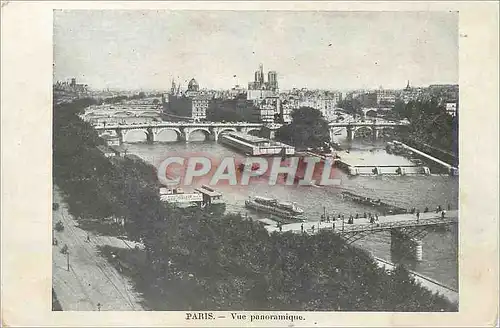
(440, 246)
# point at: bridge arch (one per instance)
(159, 132)
(255, 131)
(189, 132)
(127, 135)
(220, 131)
(362, 129)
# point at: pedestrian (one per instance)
(328, 218)
(98, 306)
(443, 213)
(333, 225)
(280, 228)
(364, 215)
(418, 216)
(312, 229)
(88, 238)
(302, 227)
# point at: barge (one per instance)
(256, 146)
(378, 204)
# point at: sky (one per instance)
(327, 50)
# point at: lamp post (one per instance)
(67, 260)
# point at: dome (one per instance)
(193, 85)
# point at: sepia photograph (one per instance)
(255, 164)
(228, 160)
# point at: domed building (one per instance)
(191, 104)
(193, 85)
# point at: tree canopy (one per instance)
(351, 106)
(429, 124)
(308, 129)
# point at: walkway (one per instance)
(91, 279)
(385, 223)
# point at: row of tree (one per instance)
(200, 261)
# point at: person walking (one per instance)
(312, 229)
(302, 227)
(418, 216)
(333, 225)
(443, 213)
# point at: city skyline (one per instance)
(335, 50)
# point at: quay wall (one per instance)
(429, 283)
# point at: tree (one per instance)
(308, 129)
(351, 106)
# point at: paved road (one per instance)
(91, 279)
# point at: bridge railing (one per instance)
(396, 224)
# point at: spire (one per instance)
(172, 88)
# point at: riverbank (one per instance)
(429, 283)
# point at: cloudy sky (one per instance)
(331, 50)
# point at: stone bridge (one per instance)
(183, 130)
(213, 130)
(373, 125)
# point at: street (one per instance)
(91, 284)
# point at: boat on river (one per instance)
(378, 204)
(288, 210)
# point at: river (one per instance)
(440, 246)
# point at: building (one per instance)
(259, 88)
(451, 108)
(444, 93)
(192, 104)
(385, 97)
